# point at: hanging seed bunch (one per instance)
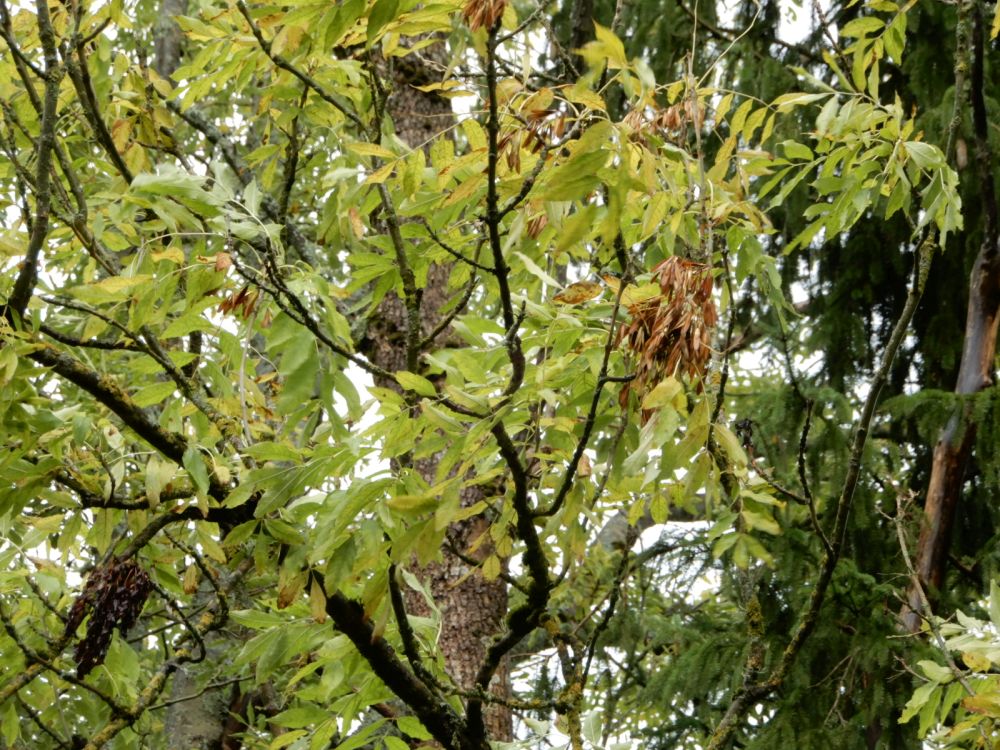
(670, 123)
(113, 597)
(670, 332)
(483, 13)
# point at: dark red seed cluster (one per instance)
(113, 597)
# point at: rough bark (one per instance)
(199, 723)
(976, 370)
(472, 608)
(167, 40)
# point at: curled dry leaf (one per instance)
(223, 261)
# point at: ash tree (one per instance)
(347, 349)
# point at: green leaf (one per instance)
(862, 26)
(575, 178)
(300, 716)
(995, 604)
(663, 393)
(731, 445)
(936, 672)
(924, 155)
(154, 394)
(760, 522)
(10, 726)
(195, 465)
(795, 150)
(382, 13)
(787, 102)
(158, 474)
(917, 701)
(173, 182)
(411, 727)
(611, 46)
(416, 383)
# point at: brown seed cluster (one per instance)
(671, 332)
(670, 123)
(113, 597)
(483, 13)
(543, 128)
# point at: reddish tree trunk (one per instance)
(951, 454)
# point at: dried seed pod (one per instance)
(670, 332)
(113, 597)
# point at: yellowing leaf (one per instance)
(761, 522)
(580, 94)
(976, 662)
(634, 295)
(987, 704)
(412, 503)
(474, 134)
(664, 393)
(370, 149)
(173, 254)
(317, 601)
(380, 175)
(578, 292)
(357, 226)
(491, 568)
(731, 445)
(416, 383)
(786, 102)
(115, 284)
(861, 26)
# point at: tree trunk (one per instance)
(951, 454)
(168, 38)
(472, 608)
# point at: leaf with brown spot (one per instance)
(578, 292)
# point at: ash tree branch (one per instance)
(494, 217)
(272, 208)
(309, 81)
(63, 338)
(448, 319)
(411, 294)
(453, 252)
(109, 393)
(434, 713)
(79, 74)
(804, 479)
(525, 618)
(410, 646)
(291, 166)
(24, 286)
(603, 378)
(293, 306)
